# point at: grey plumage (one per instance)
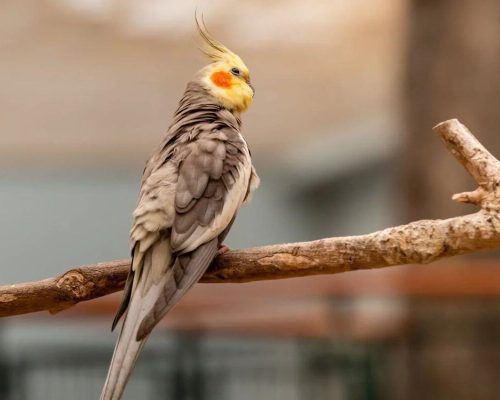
(192, 187)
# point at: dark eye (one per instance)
(235, 71)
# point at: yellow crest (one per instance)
(215, 50)
(227, 77)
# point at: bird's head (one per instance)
(227, 77)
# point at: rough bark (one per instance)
(415, 243)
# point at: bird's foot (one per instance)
(222, 249)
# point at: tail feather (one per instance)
(127, 294)
(193, 266)
(141, 302)
(155, 291)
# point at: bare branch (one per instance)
(478, 161)
(56, 294)
(418, 243)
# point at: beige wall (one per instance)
(82, 87)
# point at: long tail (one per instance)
(149, 275)
(159, 283)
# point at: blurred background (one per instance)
(346, 95)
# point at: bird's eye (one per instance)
(235, 71)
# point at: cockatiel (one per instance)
(192, 188)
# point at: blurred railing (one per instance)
(190, 367)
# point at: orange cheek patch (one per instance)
(221, 79)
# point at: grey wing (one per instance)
(212, 183)
(153, 218)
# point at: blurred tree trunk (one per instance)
(453, 71)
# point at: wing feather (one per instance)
(218, 198)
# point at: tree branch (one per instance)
(415, 243)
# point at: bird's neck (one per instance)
(199, 106)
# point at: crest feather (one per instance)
(214, 49)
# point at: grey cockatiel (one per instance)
(192, 188)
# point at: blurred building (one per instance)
(87, 89)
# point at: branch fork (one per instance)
(478, 161)
(419, 242)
